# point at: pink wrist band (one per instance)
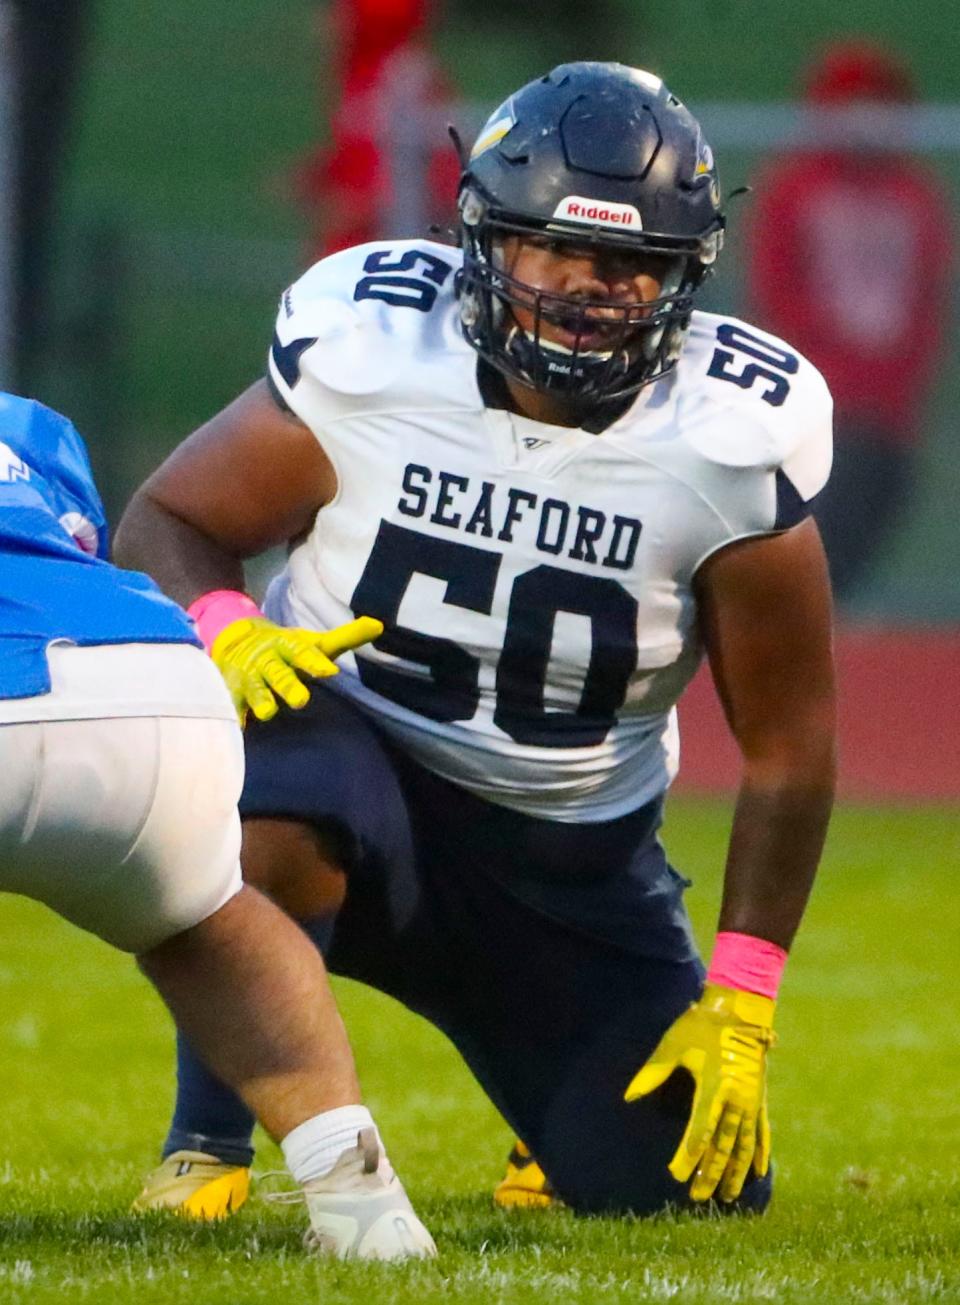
(216, 610)
(751, 964)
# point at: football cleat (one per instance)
(196, 1186)
(525, 1185)
(359, 1210)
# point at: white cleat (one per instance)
(359, 1210)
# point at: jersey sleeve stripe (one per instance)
(792, 507)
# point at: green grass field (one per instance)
(865, 1108)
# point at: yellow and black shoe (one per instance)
(525, 1185)
(196, 1186)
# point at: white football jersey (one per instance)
(535, 581)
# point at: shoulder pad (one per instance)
(354, 319)
(747, 399)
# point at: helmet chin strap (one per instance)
(548, 365)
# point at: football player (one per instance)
(558, 486)
(122, 762)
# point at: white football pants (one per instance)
(124, 823)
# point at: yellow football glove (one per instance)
(722, 1040)
(259, 660)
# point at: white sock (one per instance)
(314, 1147)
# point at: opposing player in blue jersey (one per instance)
(557, 485)
(122, 762)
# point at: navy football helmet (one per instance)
(594, 154)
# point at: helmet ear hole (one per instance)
(472, 207)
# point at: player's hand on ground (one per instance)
(722, 1041)
(260, 660)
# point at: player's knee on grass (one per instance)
(605, 1156)
(300, 865)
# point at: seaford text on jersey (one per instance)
(492, 511)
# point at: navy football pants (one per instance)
(553, 955)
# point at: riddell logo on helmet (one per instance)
(576, 208)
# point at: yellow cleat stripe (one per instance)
(217, 1199)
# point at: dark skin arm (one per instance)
(252, 477)
(766, 621)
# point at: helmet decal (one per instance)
(492, 134)
(577, 208)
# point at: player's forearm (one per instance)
(775, 845)
(182, 559)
